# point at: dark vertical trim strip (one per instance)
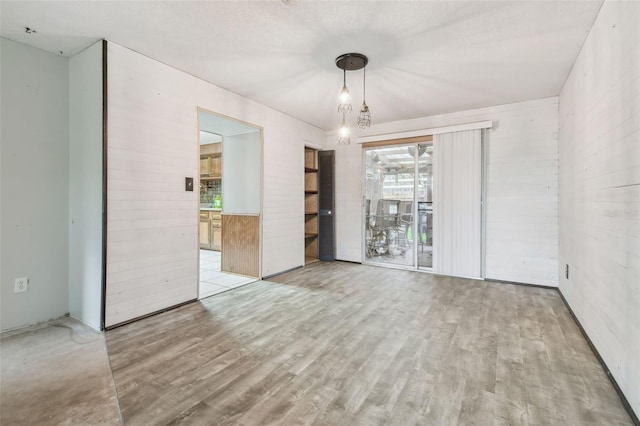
(623, 398)
(104, 184)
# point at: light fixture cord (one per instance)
(344, 78)
(364, 84)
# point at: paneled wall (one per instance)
(152, 256)
(521, 188)
(600, 191)
(241, 244)
(34, 179)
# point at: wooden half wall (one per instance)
(241, 244)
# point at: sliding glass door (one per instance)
(398, 212)
(423, 204)
(424, 211)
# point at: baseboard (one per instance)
(552, 287)
(282, 272)
(170, 308)
(623, 398)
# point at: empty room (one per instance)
(320, 212)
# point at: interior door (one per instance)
(326, 222)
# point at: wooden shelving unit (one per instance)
(310, 205)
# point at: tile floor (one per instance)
(212, 280)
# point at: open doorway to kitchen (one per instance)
(223, 142)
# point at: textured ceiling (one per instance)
(425, 57)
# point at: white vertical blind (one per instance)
(457, 203)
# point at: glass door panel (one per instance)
(424, 211)
(389, 206)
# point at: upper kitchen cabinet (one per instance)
(211, 160)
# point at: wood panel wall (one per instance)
(600, 191)
(241, 244)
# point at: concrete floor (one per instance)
(57, 374)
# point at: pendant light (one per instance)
(351, 62)
(364, 119)
(345, 97)
(344, 133)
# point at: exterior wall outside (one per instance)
(600, 191)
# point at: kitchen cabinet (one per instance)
(216, 238)
(204, 233)
(205, 230)
(211, 160)
(216, 230)
(210, 230)
(204, 166)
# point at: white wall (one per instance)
(521, 196)
(85, 185)
(242, 173)
(600, 191)
(34, 183)
(152, 222)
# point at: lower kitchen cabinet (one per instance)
(210, 230)
(204, 233)
(216, 238)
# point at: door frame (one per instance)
(260, 129)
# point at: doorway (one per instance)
(224, 146)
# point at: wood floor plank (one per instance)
(339, 343)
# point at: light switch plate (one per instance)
(188, 184)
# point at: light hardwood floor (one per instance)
(343, 344)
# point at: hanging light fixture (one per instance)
(351, 62)
(345, 97)
(364, 119)
(344, 133)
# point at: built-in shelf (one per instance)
(310, 205)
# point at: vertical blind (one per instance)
(457, 200)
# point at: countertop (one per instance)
(210, 209)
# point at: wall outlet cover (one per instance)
(21, 285)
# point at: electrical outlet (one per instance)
(21, 285)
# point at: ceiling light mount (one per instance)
(351, 61)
